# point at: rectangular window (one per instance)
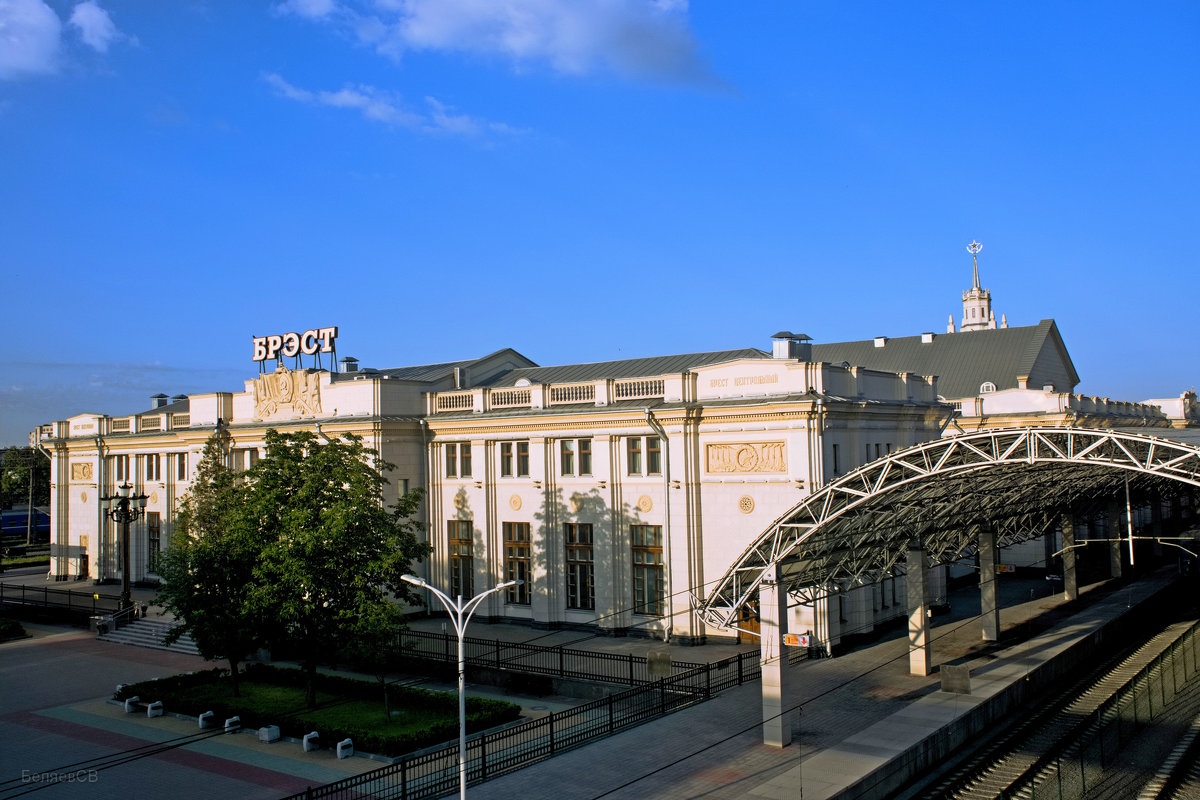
(653, 451)
(464, 459)
(653, 455)
(575, 456)
(506, 459)
(452, 460)
(649, 585)
(877, 450)
(153, 467)
(461, 548)
(566, 449)
(516, 561)
(251, 457)
(836, 469)
(181, 466)
(153, 540)
(581, 584)
(867, 453)
(120, 468)
(522, 459)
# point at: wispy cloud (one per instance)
(31, 35)
(387, 107)
(637, 39)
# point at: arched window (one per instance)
(987, 387)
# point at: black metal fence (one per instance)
(1078, 764)
(561, 662)
(435, 772)
(61, 599)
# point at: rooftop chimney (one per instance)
(159, 399)
(880, 341)
(349, 364)
(789, 345)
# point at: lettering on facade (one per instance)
(287, 393)
(289, 345)
(747, 457)
(84, 426)
(743, 380)
(81, 472)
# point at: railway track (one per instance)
(1008, 765)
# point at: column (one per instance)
(916, 580)
(989, 600)
(772, 610)
(1070, 578)
(1115, 543)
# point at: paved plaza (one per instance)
(54, 717)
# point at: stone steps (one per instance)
(150, 633)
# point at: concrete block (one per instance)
(311, 742)
(345, 748)
(956, 679)
(155, 709)
(232, 724)
(131, 703)
(269, 733)
(206, 720)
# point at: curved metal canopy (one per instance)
(856, 529)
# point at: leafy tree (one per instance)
(333, 552)
(373, 647)
(18, 465)
(208, 569)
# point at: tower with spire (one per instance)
(977, 301)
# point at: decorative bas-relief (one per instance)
(81, 471)
(746, 457)
(287, 394)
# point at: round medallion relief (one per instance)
(514, 502)
(745, 504)
(154, 498)
(645, 503)
(83, 497)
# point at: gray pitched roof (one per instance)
(963, 361)
(426, 373)
(627, 368)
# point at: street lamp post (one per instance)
(460, 615)
(123, 508)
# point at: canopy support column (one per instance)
(1070, 576)
(772, 609)
(1113, 527)
(917, 585)
(989, 597)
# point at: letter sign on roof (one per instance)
(289, 345)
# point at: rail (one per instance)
(69, 599)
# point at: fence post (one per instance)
(630, 657)
(662, 695)
(482, 757)
(404, 778)
(708, 681)
(497, 653)
(562, 669)
(551, 719)
(611, 722)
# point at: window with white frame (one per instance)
(181, 466)
(120, 468)
(575, 456)
(516, 561)
(153, 467)
(458, 460)
(581, 575)
(461, 549)
(649, 578)
(987, 387)
(643, 455)
(514, 459)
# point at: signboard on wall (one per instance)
(290, 345)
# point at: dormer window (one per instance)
(987, 387)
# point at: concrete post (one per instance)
(1113, 528)
(772, 611)
(1070, 578)
(920, 660)
(989, 599)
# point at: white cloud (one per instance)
(647, 39)
(387, 107)
(29, 38)
(31, 35)
(95, 27)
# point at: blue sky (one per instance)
(582, 181)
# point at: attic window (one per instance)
(987, 387)
(522, 382)
(1049, 387)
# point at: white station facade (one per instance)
(614, 490)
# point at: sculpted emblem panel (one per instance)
(747, 457)
(287, 394)
(81, 471)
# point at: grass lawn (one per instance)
(346, 708)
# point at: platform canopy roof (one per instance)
(859, 528)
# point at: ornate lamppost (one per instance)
(123, 508)
(460, 614)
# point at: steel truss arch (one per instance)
(857, 529)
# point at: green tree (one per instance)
(19, 465)
(373, 647)
(333, 551)
(208, 569)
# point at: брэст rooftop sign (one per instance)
(289, 345)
